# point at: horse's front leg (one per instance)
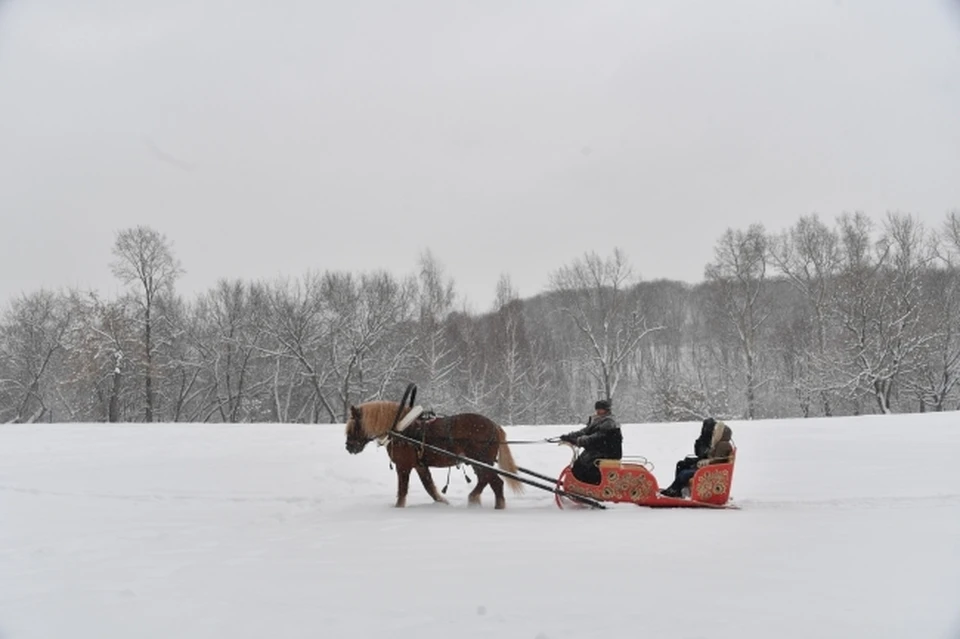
(403, 485)
(427, 480)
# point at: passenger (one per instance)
(600, 439)
(711, 447)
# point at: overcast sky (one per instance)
(269, 138)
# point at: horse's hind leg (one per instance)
(483, 478)
(496, 482)
(427, 480)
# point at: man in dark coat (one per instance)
(600, 439)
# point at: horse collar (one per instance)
(409, 418)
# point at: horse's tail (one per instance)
(505, 461)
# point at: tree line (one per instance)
(849, 317)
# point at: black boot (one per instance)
(670, 491)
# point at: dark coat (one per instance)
(601, 438)
(701, 447)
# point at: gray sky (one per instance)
(269, 138)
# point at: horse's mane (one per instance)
(378, 417)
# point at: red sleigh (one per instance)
(631, 481)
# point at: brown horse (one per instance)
(466, 434)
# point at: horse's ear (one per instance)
(354, 412)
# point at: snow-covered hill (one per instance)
(847, 528)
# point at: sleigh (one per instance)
(630, 480)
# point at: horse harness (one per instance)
(418, 429)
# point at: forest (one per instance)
(847, 316)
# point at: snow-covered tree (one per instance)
(738, 275)
(101, 350)
(368, 348)
(145, 259)
(808, 254)
(301, 326)
(510, 353)
(32, 341)
(880, 305)
(435, 361)
(231, 340)
(596, 295)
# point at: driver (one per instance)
(600, 439)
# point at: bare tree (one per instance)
(367, 315)
(232, 343)
(809, 255)
(303, 326)
(145, 258)
(595, 295)
(660, 365)
(100, 350)
(435, 359)
(176, 341)
(478, 393)
(32, 337)
(510, 351)
(543, 385)
(738, 274)
(951, 231)
(937, 376)
(879, 303)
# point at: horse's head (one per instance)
(357, 439)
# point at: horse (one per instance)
(466, 434)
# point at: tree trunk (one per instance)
(882, 390)
(751, 373)
(113, 412)
(822, 344)
(148, 381)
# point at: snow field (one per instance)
(847, 527)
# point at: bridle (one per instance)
(355, 436)
(356, 439)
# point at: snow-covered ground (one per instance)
(847, 528)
